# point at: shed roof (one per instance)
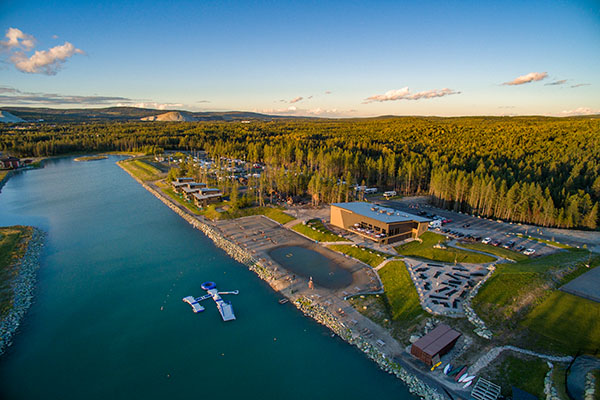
(437, 339)
(379, 213)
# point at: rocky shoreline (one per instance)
(5, 178)
(24, 287)
(307, 306)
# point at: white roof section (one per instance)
(379, 213)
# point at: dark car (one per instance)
(466, 225)
(520, 248)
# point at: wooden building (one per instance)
(431, 347)
(380, 224)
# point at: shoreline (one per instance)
(24, 287)
(415, 384)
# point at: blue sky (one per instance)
(347, 58)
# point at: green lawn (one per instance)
(13, 243)
(569, 322)
(181, 200)
(426, 250)
(275, 214)
(523, 297)
(498, 251)
(400, 292)
(371, 257)
(141, 170)
(550, 242)
(315, 230)
(527, 373)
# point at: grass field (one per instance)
(315, 230)
(13, 243)
(426, 250)
(275, 214)
(400, 292)
(179, 199)
(141, 170)
(569, 323)
(371, 257)
(523, 297)
(527, 373)
(498, 251)
(549, 242)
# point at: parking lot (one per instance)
(462, 225)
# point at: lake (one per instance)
(108, 321)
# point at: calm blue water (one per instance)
(308, 263)
(115, 255)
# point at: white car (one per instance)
(486, 240)
(529, 252)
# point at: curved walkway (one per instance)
(491, 355)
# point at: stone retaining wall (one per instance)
(24, 287)
(322, 316)
(495, 352)
(480, 327)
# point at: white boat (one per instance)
(469, 378)
(466, 385)
(462, 377)
(447, 368)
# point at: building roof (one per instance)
(206, 196)
(437, 339)
(379, 213)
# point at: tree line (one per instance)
(538, 170)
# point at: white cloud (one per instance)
(580, 85)
(556, 83)
(405, 94)
(581, 111)
(327, 92)
(296, 100)
(15, 38)
(157, 106)
(530, 77)
(304, 112)
(47, 62)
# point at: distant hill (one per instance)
(7, 117)
(172, 116)
(123, 114)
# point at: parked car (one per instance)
(520, 248)
(529, 252)
(446, 220)
(509, 245)
(466, 225)
(487, 240)
(496, 243)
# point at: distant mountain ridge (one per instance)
(129, 114)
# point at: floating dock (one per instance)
(225, 308)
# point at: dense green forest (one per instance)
(537, 170)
